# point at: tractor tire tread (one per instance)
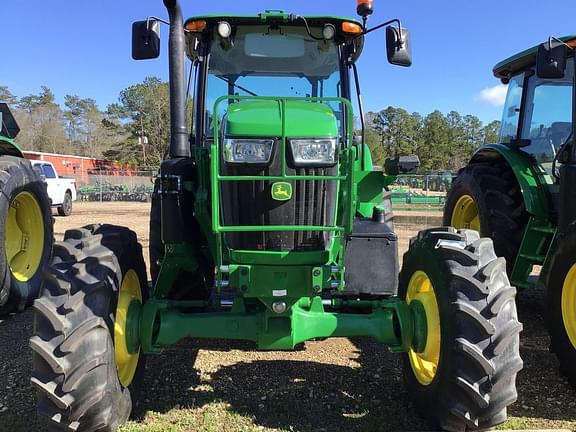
(73, 354)
(561, 262)
(500, 204)
(17, 175)
(476, 380)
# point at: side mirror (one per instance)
(551, 60)
(145, 39)
(398, 46)
(401, 165)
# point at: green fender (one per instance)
(370, 184)
(534, 181)
(8, 147)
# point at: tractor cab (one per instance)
(537, 115)
(273, 94)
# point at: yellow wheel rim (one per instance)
(126, 363)
(24, 236)
(425, 364)
(569, 304)
(465, 214)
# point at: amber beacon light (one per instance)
(364, 7)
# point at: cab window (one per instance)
(547, 121)
(511, 113)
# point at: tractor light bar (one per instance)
(314, 152)
(248, 151)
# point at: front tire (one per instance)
(561, 302)
(26, 233)
(86, 380)
(463, 378)
(66, 208)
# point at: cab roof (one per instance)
(271, 16)
(506, 68)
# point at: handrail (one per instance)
(345, 180)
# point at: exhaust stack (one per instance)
(179, 144)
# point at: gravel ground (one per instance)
(337, 384)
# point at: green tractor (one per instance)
(519, 193)
(270, 224)
(26, 232)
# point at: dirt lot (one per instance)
(335, 385)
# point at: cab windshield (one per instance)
(264, 61)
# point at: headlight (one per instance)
(314, 152)
(248, 151)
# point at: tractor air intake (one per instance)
(179, 146)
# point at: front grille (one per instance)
(314, 205)
(250, 203)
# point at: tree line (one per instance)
(133, 130)
(136, 128)
(442, 142)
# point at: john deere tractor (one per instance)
(520, 192)
(269, 223)
(26, 232)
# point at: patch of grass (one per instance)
(520, 423)
(214, 417)
(217, 417)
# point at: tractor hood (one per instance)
(263, 118)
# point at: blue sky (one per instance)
(83, 47)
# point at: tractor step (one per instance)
(537, 259)
(544, 229)
(534, 249)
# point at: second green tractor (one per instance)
(521, 192)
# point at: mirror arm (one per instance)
(379, 26)
(153, 18)
(552, 38)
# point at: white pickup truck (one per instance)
(61, 191)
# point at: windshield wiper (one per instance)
(236, 85)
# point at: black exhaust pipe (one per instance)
(179, 145)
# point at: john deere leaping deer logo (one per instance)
(281, 191)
